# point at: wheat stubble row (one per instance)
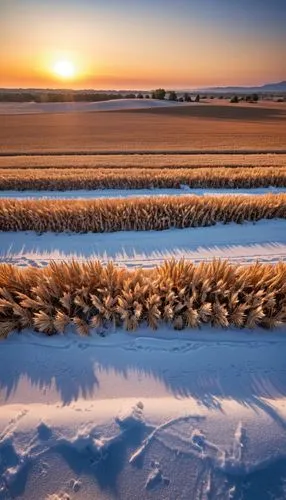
(140, 178)
(150, 213)
(89, 295)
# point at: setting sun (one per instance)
(64, 69)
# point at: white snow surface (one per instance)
(134, 193)
(83, 107)
(264, 240)
(165, 415)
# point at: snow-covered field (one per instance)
(241, 243)
(195, 415)
(189, 416)
(83, 107)
(132, 193)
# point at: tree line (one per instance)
(173, 96)
(48, 96)
(54, 96)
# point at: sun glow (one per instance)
(64, 69)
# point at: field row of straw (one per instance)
(62, 179)
(144, 161)
(150, 213)
(90, 295)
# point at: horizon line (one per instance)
(138, 89)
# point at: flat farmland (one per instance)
(143, 161)
(198, 127)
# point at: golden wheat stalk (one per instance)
(90, 295)
(118, 178)
(108, 215)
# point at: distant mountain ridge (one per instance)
(268, 87)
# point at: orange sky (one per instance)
(138, 44)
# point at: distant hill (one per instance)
(269, 87)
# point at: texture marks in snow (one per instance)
(215, 395)
(93, 449)
(245, 243)
(134, 193)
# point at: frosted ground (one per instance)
(132, 193)
(263, 240)
(199, 415)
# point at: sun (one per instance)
(64, 69)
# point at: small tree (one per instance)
(159, 94)
(140, 96)
(187, 97)
(234, 99)
(197, 99)
(147, 96)
(252, 98)
(173, 96)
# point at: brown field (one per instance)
(90, 295)
(69, 179)
(196, 127)
(142, 214)
(143, 161)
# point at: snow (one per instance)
(83, 107)
(132, 193)
(240, 243)
(198, 414)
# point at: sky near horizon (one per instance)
(125, 44)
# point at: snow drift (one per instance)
(83, 107)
